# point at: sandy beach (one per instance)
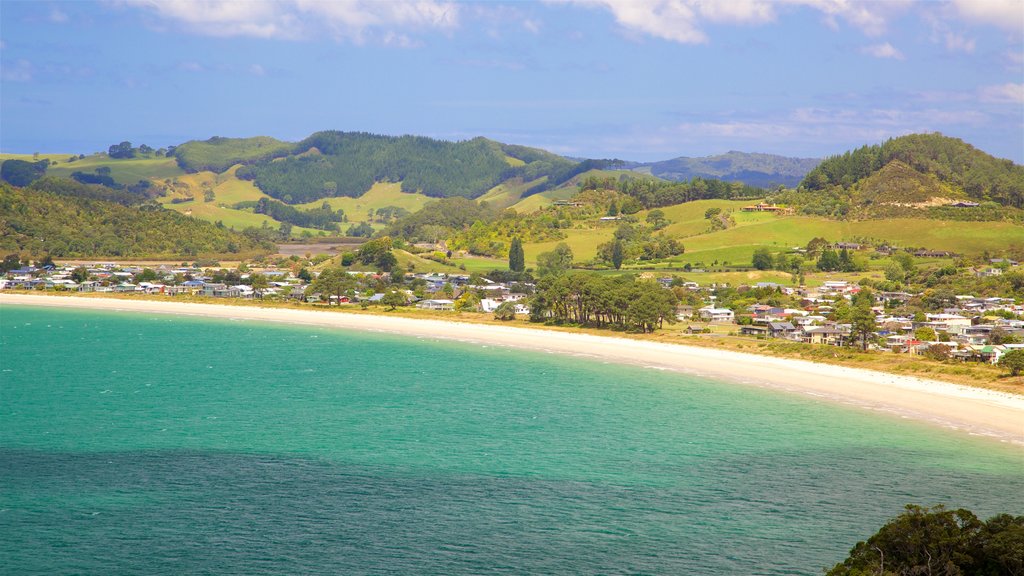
(972, 410)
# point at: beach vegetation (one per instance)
(1013, 361)
(940, 542)
(505, 311)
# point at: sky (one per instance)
(639, 80)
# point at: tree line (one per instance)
(589, 299)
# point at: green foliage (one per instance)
(603, 301)
(488, 236)
(939, 541)
(333, 282)
(121, 151)
(21, 172)
(505, 311)
(322, 218)
(437, 220)
(653, 193)
(218, 154)
(762, 259)
(393, 299)
(66, 225)
(556, 262)
(361, 230)
(355, 161)
(516, 258)
(1013, 361)
(950, 160)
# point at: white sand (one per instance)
(973, 410)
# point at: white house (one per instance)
(712, 314)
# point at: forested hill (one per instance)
(72, 221)
(332, 163)
(762, 170)
(917, 169)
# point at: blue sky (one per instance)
(632, 79)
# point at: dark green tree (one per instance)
(829, 261)
(393, 299)
(617, 254)
(762, 259)
(516, 258)
(939, 542)
(1013, 361)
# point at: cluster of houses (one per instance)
(974, 328)
(965, 331)
(174, 281)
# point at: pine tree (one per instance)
(516, 258)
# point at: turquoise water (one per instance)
(146, 444)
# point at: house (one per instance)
(780, 329)
(712, 314)
(963, 204)
(439, 304)
(763, 207)
(831, 335)
(754, 330)
(219, 291)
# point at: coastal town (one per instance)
(966, 328)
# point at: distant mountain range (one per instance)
(762, 170)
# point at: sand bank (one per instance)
(973, 410)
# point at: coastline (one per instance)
(982, 412)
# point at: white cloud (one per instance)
(21, 71)
(1009, 93)
(257, 70)
(190, 66)
(58, 16)
(959, 43)
(1007, 14)
(883, 50)
(353, 20)
(681, 20)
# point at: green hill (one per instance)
(218, 154)
(917, 168)
(762, 170)
(71, 221)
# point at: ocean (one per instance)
(135, 443)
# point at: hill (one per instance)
(73, 220)
(762, 170)
(920, 170)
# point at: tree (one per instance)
(516, 258)
(617, 254)
(762, 259)
(333, 282)
(122, 150)
(925, 334)
(895, 273)
(394, 299)
(862, 321)
(386, 261)
(1013, 361)
(829, 261)
(80, 274)
(657, 220)
(397, 276)
(556, 262)
(940, 542)
(259, 284)
(505, 311)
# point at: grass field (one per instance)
(127, 171)
(381, 195)
(509, 193)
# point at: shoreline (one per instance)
(976, 411)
